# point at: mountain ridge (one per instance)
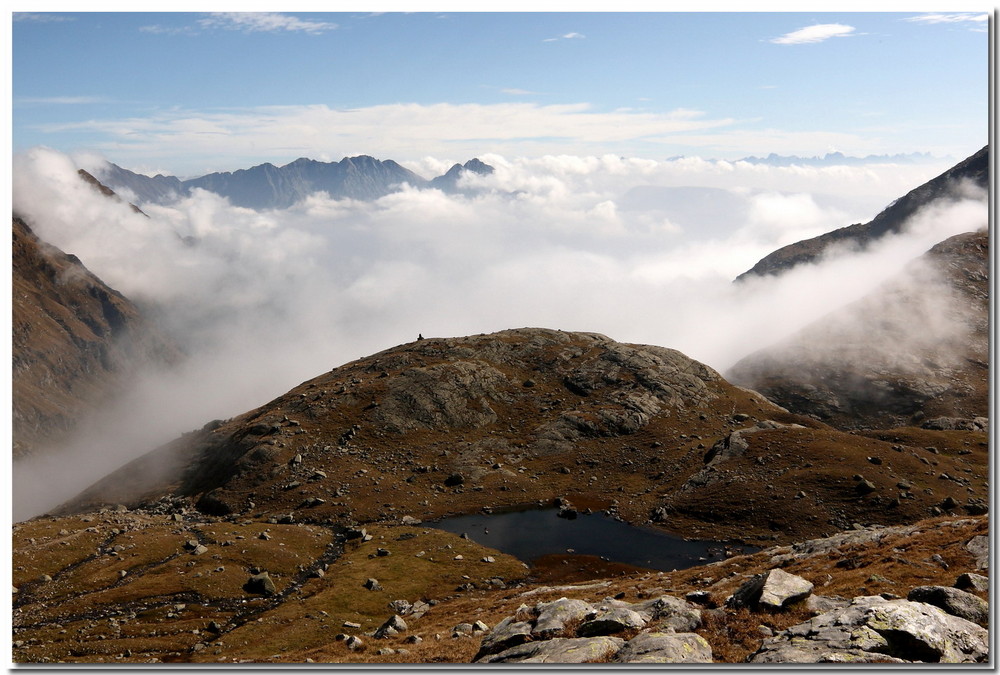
(974, 169)
(267, 186)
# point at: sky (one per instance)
(190, 93)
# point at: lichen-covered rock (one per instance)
(665, 648)
(610, 621)
(875, 629)
(553, 616)
(559, 650)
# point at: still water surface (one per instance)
(530, 534)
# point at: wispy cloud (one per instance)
(814, 34)
(395, 130)
(264, 22)
(979, 22)
(157, 29)
(61, 100)
(519, 92)
(41, 17)
(567, 36)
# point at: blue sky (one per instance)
(189, 93)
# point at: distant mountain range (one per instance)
(840, 158)
(267, 186)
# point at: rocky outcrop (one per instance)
(574, 631)
(873, 629)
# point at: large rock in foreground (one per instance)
(873, 629)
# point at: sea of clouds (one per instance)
(643, 251)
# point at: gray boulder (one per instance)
(774, 589)
(508, 633)
(394, 625)
(665, 648)
(972, 581)
(260, 584)
(670, 613)
(979, 547)
(610, 621)
(954, 601)
(873, 629)
(559, 650)
(553, 616)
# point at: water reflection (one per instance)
(529, 534)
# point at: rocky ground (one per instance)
(138, 587)
(265, 537)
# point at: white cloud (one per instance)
(267, 300)
(814, 34)
(979, 20)
(567, 36)
(258, 22)
(400, 131)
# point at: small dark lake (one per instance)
(533, 533)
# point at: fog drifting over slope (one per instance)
(264, 301)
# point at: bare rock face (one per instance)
(916, 348)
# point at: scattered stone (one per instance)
(392, 626)
(401, 607)
(454, 480)
(409, 520)
(260, 584)
(373, 585)
(354, 643)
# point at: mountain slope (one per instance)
(974, 170)
(916, 348)
(445, 426)
(75, 340)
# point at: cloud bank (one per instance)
(265, 300)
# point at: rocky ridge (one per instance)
(267, 186)
(973, 171)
